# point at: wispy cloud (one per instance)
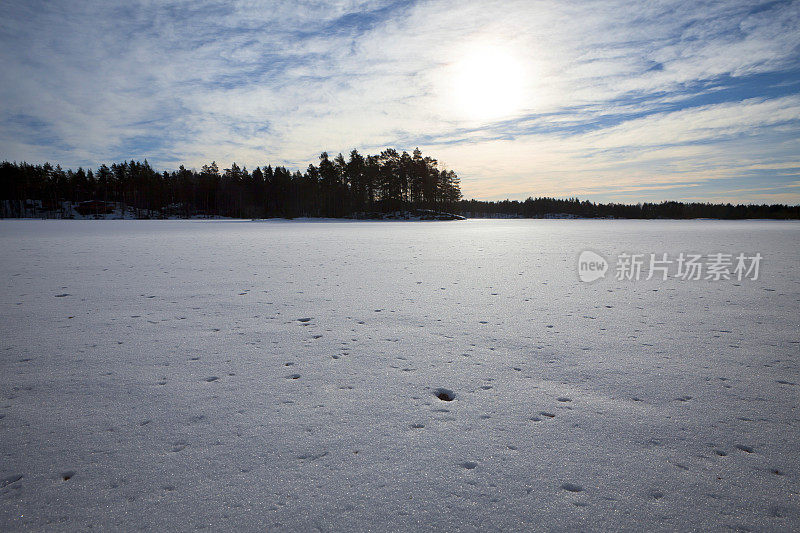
(620, 98)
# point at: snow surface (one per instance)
(175, 375)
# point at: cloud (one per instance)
(651, 98)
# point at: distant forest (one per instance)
(335, 187)
(358, 187)
(573, 207)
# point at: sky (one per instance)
(622, 101)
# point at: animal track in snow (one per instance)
(8, 480)
(312, 456)
(445, 395)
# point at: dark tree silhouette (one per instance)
(359, 186)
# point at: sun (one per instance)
(488, 83)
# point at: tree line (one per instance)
(573, 207)
(359, 186)
(335, 187)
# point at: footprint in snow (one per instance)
(8, 480)
(445, 395)
(312, 456)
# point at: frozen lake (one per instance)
(174, 375)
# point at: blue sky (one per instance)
(611, 100)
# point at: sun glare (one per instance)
(489, 83)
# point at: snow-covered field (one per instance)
(174, 375)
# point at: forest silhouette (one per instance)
(370, 186)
